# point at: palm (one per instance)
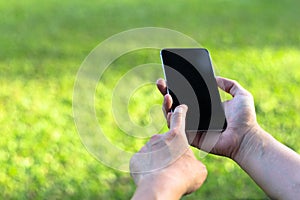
(240, 115)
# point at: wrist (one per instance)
(252, 144)
(153, 187)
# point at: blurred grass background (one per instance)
(43, 44)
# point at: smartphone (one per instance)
(190, 80)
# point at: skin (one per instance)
(273, 166)
(183, 174)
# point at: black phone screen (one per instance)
(190, 80)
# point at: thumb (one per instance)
(178, 118)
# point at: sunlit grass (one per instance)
(43, 45)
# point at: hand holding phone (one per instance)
(190, 80)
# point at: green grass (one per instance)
(44, 43)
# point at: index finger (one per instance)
(230, 86)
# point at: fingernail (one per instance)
(158, 80)
(179, 109)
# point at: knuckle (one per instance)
(133, 163)
(154, 137)
(250, 95)
(204, 169)
(175, 131)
